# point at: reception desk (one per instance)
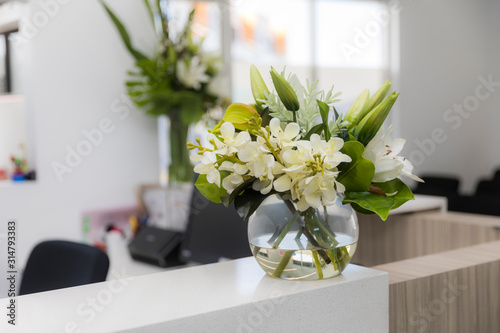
(233, 296)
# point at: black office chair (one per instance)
(61, 264)
(487, 187)
(438, 185)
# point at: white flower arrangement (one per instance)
(177, 79)
(287, 144)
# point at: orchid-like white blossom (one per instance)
(207, 167)
(318, 190)
(310, 172)
(192, 74)
(227, 143)
(238, 170)
(282, 137)
(383, 153)
(259, 160)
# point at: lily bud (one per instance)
(239, 115)
(371, 123)
(379, 96)
(258, 86)
(358, 108)
(285, 91)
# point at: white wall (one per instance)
(77, 73)
(445, 46)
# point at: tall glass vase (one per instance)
(180, 169)
(176, 171)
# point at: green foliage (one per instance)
(358, 108)
(371, 123)
(316, 129)
(154, 85)
(285, 91)
(210, 191)
(249, 201)
(324, 110)
(308, 113)
(259, 87)
(356, 175)
(124, 34)
(228, 198)
(379, 96)
(370, 203)
(239, 115)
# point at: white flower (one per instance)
(232, 181)
(318, 190)
(207, 167)
(211, 59)
(219, 87)
(263, 186)
(229, 144)
(382, 152)
(192, 74)
(259, 160)
(235, 178)
(310, 172)
(284, 138)
(329, 150)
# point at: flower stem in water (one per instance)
(318, 265)
(286, 229)
(282, 264)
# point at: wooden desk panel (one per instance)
(448, 292)
(412, 235)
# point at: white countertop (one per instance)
(233, 296)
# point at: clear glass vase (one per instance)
(180, 169)
(311, 245)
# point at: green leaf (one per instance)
(379, 96)
(358, 108)
(210, 191)
(186, 34)
(356, 175)
(163, 18)
(403, 192)
(370, 203)
(123, 33)
(249, 201)
(239, 115)
(335, 113)
(315, 129)
(266, 117)
(371, 123)
(258, 87)
(150, 12)
(228, 198)
(324, 109)
(285, 91)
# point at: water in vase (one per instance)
(297, 259)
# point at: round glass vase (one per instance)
(312, 245)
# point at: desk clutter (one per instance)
(211, 231)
